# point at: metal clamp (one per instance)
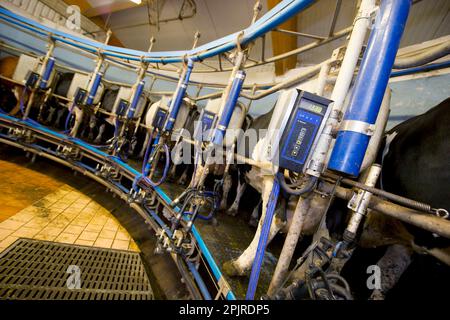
(358, 126)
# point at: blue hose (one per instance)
(199, 280)
(259, 257)
(165, 171)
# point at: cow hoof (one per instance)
(232, 212)
(230, 269)
(223, 207)
(377, 295)
(253, 222)
(214, 222)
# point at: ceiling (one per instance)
(217, 18)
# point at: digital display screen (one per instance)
(311, 106)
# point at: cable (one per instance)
(296, 192)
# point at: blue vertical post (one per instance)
(177, 100)
(97, 80)
(352, 140)
(228, 109)
(135, 99)
(262, 243)
(47, 72)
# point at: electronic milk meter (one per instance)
(205, 126)
(306, 119)
(160, 118)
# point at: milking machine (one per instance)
(291, 149)
(195, 197)
(129, 109)
(84, 98)
(36, 81)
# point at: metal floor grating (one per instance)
(38, 270)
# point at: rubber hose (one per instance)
(296, 192)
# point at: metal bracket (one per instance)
(358, 126)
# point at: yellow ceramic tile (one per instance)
(133, 246)
(61, 222)
(120, 244)
(22, 216)
(51, 230)
(88, 235)
(37, 222)
(11, 224)
(103, 243)
(60, 205)
(120, 235)
(84, 242)
(8, 241)
(82, 222)
(109, 234)
(99, 221)
(44, 236)
(5, 233)
(66, 238)
(73, 229)
(111, 225)
(93, 227)
(25, 232)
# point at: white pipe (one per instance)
(322, 79)
(380, 126)
(343, 81)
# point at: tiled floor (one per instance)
(67, 216)
(21, 186)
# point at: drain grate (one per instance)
(38, 270)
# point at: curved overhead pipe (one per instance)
(423, 58)
(279, 14)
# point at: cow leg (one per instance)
(59, 115)
(92, 124)
(392, 265)
(50, 115)
(227, 182)
(172, 172)
(78, 119)
(101, 130)
(184, 176)
(18, 94)
(255, 214)
(144, 145)
(241, 266)
(242, 185)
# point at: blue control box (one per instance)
(159, 119)
(204, 127)
(122, 107)
(302, 130)
(80, 95)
